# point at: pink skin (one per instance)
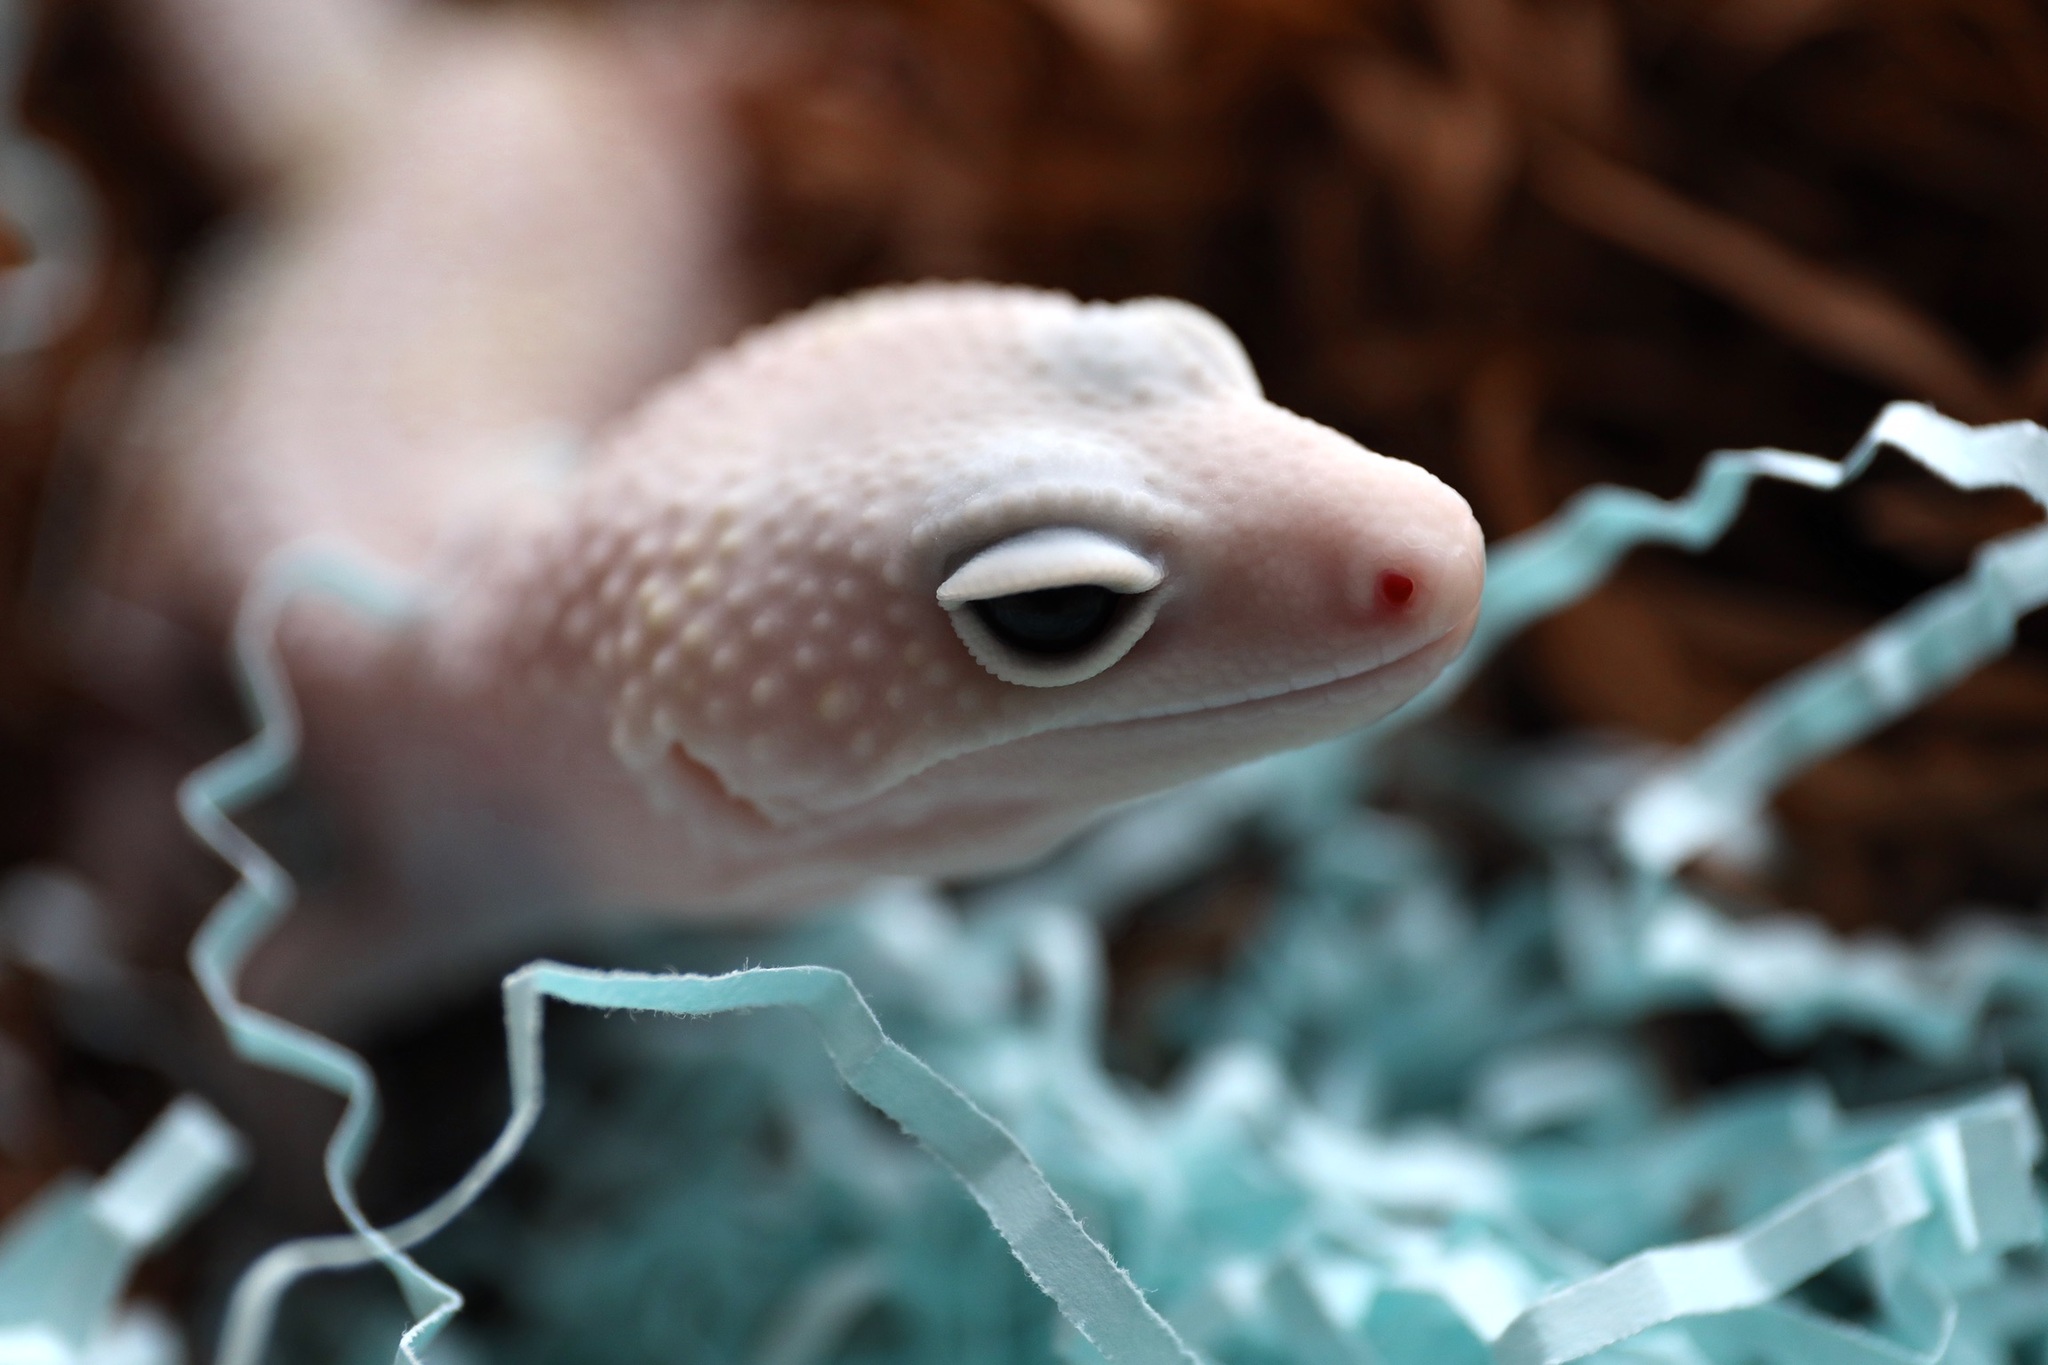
(705, 670)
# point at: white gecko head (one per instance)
(943, 570)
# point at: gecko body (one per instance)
(913, 583)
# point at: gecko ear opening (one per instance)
(1052, 606)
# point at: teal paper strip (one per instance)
(1885, 1195)
(65, 1259)
(1545, 569)
(1092, 1291)
(1728, 776)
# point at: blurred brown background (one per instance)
(1532, 244)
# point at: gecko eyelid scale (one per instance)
(912, 583)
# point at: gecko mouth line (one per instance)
(1299, 690)
(1433, 654)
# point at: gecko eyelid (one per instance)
(1052, 606)
(1050, 557)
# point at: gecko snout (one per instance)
(1417, 564)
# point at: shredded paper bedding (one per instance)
(1418, 1121)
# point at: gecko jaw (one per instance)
(1322, 682)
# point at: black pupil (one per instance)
(1050, 621)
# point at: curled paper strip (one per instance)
(1651, 939)
(1791, 976)
(1891, 1192)
(1880, 676)
(1549, 567)
(66, 1258)
(1092, 1291)
(263, 894)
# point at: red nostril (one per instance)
(1396, 589)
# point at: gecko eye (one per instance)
(1052, 606)
(1051, 622)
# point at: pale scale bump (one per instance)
(838, 702)
(657, 600)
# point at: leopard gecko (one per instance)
(914, 583)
